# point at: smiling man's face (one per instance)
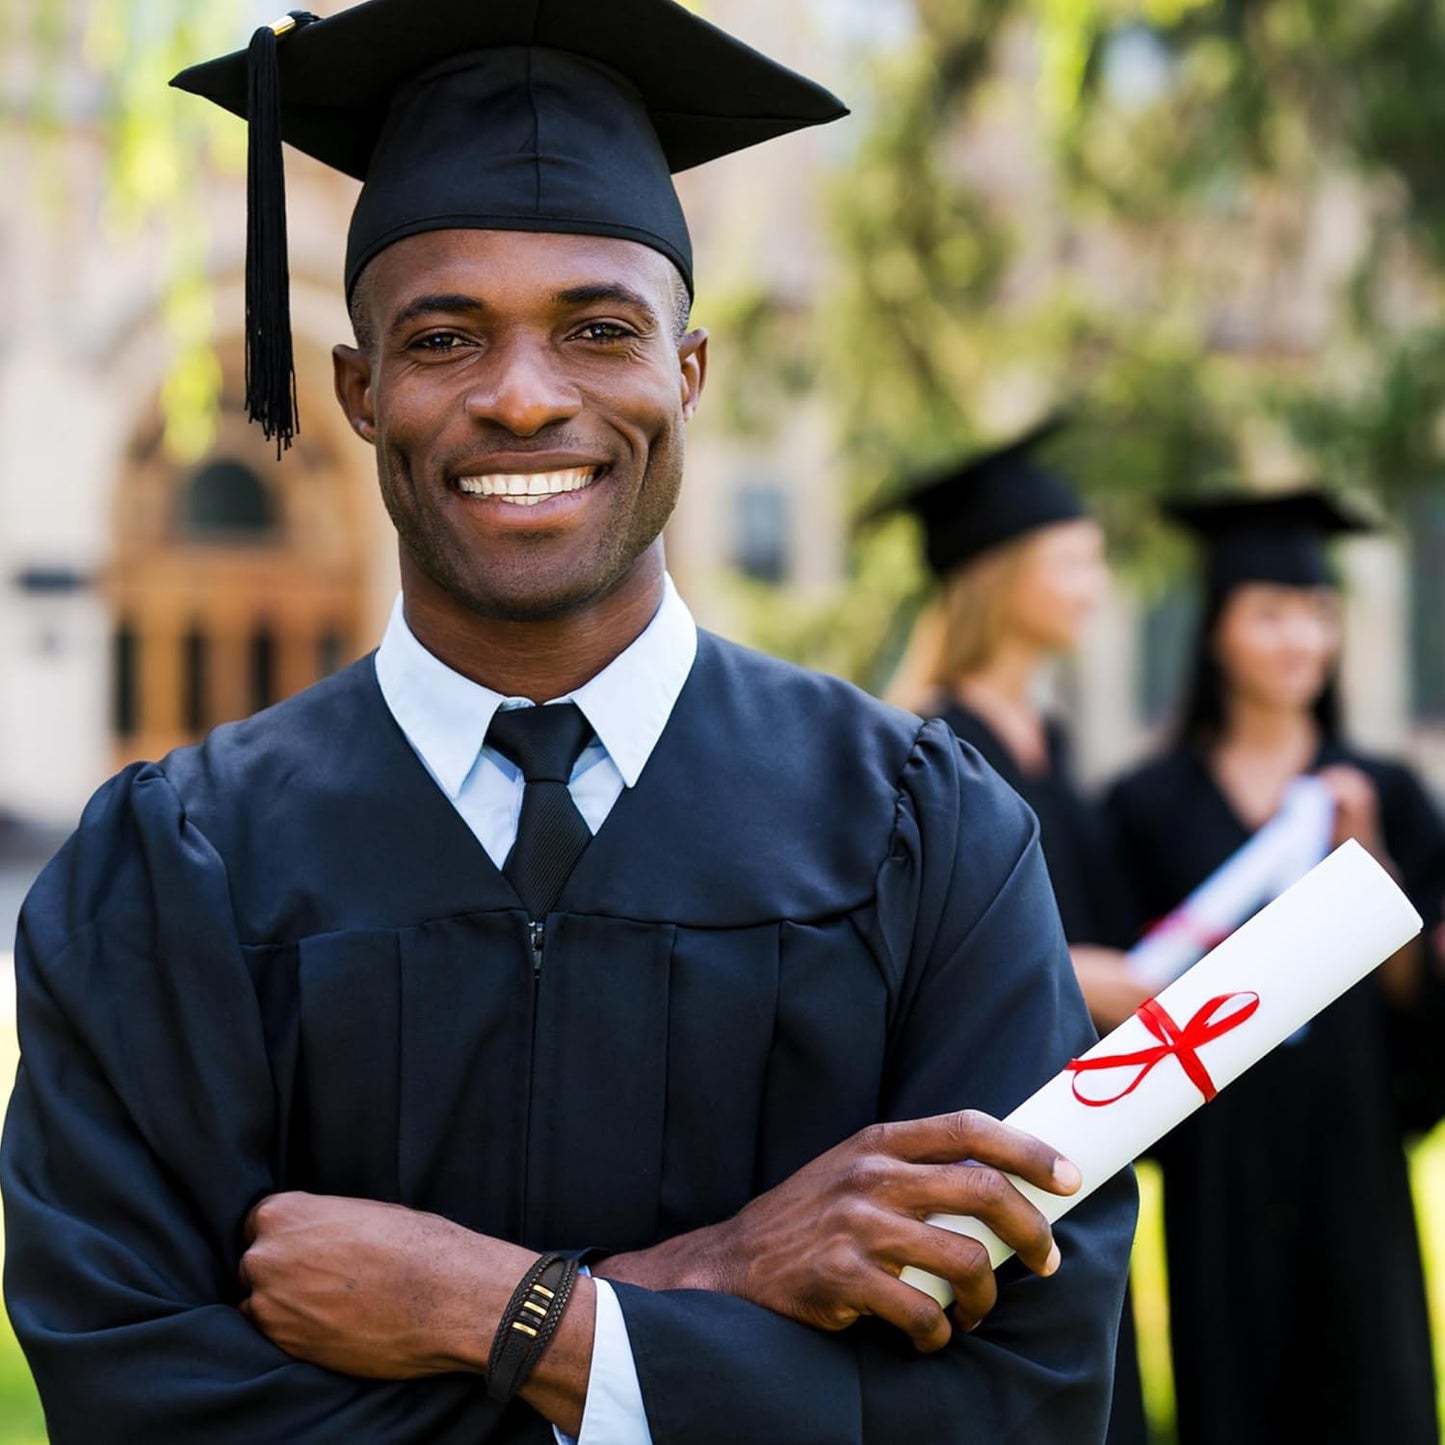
(527, 395)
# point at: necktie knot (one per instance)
(544, 742)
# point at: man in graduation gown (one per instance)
(339, 1025)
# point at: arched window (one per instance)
(225, 501)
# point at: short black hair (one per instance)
(682, 305)
(359, 309)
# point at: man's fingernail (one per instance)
(1066, 1175)
(1054, 1261)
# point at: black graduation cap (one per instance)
(1277, 537)
(970, 507)
(525, 115)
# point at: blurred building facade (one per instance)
(143, 599)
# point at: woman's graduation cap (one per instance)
(1281, 538)
(970, 507)
(525, 115)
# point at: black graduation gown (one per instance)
(1089, 880)
(281, 960)
(1297, 1303)
(1092, 892)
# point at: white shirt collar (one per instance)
(445, 716)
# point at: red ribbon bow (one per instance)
(1214, 1020)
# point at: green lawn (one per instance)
(1430, 1205)
(21, 1422)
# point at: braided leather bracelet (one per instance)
(528, 1324)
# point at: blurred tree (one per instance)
(110, 61)
(1214, 227)
(161, 144)
(1297, 117)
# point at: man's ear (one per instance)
(352, 368)
(692, 362)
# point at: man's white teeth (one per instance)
(527, 491)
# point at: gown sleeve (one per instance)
(986, 1011)
(141, 1130)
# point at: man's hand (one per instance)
(373, 1290)
(827, 1245)
(387, 1293)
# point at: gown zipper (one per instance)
(536, 938)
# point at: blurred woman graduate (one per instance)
(1020, 566)
(1297, 1302)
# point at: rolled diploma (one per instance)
(1279, 855)
(1298, 955)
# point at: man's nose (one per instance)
(523, 388)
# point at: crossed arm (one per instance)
(382, 1292)
(144, 1111)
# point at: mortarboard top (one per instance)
(528, 115)
(970, 507)
(1281, 537)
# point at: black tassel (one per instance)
(270, 362)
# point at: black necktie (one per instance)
(545, 742)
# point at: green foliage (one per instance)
(770, 361)
(857, 632)
(160, 145)
(1121, 206)
(920, 254)
(1391, 431)
(1267, 104)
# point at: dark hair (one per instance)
(1202, 724)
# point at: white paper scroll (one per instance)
(1284, 966)
(1276, 858)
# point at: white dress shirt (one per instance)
(445, 718)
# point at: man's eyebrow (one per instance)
(449, 304)
(590, 295)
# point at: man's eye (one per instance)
(606, 331)
(440, 342)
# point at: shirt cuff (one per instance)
(613, 1413)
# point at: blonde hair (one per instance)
(957, 632)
